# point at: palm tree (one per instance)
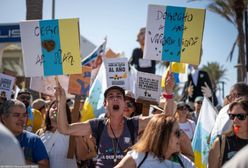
(233, 11)
(34, 9)
(216, 73)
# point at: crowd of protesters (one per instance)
(122, 136)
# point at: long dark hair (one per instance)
(48, 126)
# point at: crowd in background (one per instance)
(122, 136)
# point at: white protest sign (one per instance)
(47, 84)
(117, 72)
(174, 34)
(148, 87)
(50, 47)
(6, 85)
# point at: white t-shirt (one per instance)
(154, 162)
(57, 147)
(188, 127)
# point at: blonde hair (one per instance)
(156, 136)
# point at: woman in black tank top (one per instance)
(227, 145)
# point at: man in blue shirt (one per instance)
(14, 117)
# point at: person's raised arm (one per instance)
(78, 128)
(168, 94)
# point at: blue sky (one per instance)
(120, 21)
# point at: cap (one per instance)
(199, 98)
(181, 104)
(39, 104)
(129, 94)
(112, 88)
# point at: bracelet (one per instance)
(168, 96)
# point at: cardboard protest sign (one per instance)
(47, 84)
(148, 87)
(79, 84)
(6, 85)
(50, 47)
(174, 34)
(117, 72)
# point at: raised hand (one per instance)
(206, 90)
(59, 92)
(190, 89)
(169, 83)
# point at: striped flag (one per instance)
(99, 51)
(203, 129)
(50, 47)
(93, 105)
(174, 34)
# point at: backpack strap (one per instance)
(130, 126)
(144, 158)
(101, 124)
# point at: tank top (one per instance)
(232, 146)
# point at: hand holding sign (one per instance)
(59, 93)
(206, 90)
(190, 90)
(169, 83)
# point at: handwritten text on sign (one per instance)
(50, 47)
(174, 34)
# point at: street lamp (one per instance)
(53, 9)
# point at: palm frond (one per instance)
(230, 55)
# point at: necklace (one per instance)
(114, 150)
(115, 143)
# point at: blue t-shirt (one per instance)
(111, 150)
(32, 146)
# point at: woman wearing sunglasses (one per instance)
(159, 146)
(131, 107)
(182, 115)
(227, 145)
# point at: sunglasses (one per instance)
(199, 102)
(25, 97)
(130, 104)
(234, 95)
(177, 133)
(239, 116)
(182, 108)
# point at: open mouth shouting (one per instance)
(116, 107)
